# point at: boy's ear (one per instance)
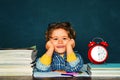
(46, 46)
(73, 45)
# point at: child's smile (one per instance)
(60, 46)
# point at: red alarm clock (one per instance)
(97, 52)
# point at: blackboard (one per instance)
(23, 23)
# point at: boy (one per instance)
(60, 56)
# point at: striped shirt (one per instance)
(61, 63)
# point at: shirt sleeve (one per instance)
(75, 64)
(45, 59)
(71, 57)
(43, 63)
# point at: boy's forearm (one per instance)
(46, 58)
(70, 54)
(69, 49)
(49, 52)
(71, 57)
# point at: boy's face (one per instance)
(59, 39)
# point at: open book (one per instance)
(57, 74)
(83, 73)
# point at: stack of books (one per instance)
(104, 70)
(15, 62)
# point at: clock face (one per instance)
(99, 53)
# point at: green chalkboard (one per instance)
(23, 23)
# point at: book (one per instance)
(107, 69)
(58, 74)
(82, 73)
(106, 66)
(16, 62)
(105, 73)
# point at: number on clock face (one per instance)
(99, 53)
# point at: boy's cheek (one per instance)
(53, 42)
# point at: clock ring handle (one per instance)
(97, 38)
(104, 43)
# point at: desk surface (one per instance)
(57, 78)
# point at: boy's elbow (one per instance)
(41, 67)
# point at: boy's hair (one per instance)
(60, 25)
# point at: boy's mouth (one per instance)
(60, 46)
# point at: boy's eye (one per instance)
(64, 38)
(60, 38)
(55, 38)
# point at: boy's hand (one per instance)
(71, 43)
(49, 45)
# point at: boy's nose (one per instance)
(60, 41)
